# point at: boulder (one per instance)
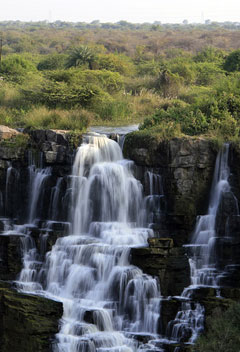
(7, 132)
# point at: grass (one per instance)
(74, 120)
(18, 141)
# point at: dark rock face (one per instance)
(169, 264)
(186, 166)
(27, 323)
(47, 148)
(55, 144)
(10, 257)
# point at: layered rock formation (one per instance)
(186, 168)
(27, 323)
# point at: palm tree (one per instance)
(80, 56)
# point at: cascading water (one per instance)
(37, 178)
(202, 251)
(154, 200)
(204, 268)
(107, 302)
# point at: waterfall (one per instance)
(37, 178)
(203, 259)
(154, 201)
(55, 200)
(108, 303)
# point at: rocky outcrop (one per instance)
(168, 263)
(27, 323)
(56, 145)
(44, 148)
(186, 166)
(7, 133)
(10, 256)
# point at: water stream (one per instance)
(203, 260)
(109, 305)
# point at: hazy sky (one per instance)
(114, 10)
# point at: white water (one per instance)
(204, 272)
(203, 262)
(37, 177)
(106, 300)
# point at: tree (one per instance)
(79, 56)
(232, 62)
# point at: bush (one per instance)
(15, 68)
(209, 54)
(52, 62)
(207, 73)
(60, 94)
(10, 95)
(58, 119)
(151, 68)
(168, 84)
(116, 63)
(106, 80)
(223, 332)
(112, 110)
(232, 62)
(185, 70)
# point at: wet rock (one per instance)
(28, 323)
(201, 293)
(156, 242)
(233, 226)
(10, 256)
(177, 347)
(228, 207)
(170, 265)
(169, 309)
(186, 166)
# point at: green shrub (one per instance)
(106, 80)
(60, 94)
(208, 73)
(116, 63)
(232, 62)
(52, 62)
(209, 54)
(58, 119)
(222, 333)
(151, 68)
(186, 71)
(14, 68)
(113, 109)
(11, 117)
(18, 141)
(168, 84)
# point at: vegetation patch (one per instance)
(223, 331)
(169, 79)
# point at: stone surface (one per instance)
(10, 256)
(6, 132)
(169, 264)
(186, 166)
(27, 323)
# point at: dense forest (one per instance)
(173, 79)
